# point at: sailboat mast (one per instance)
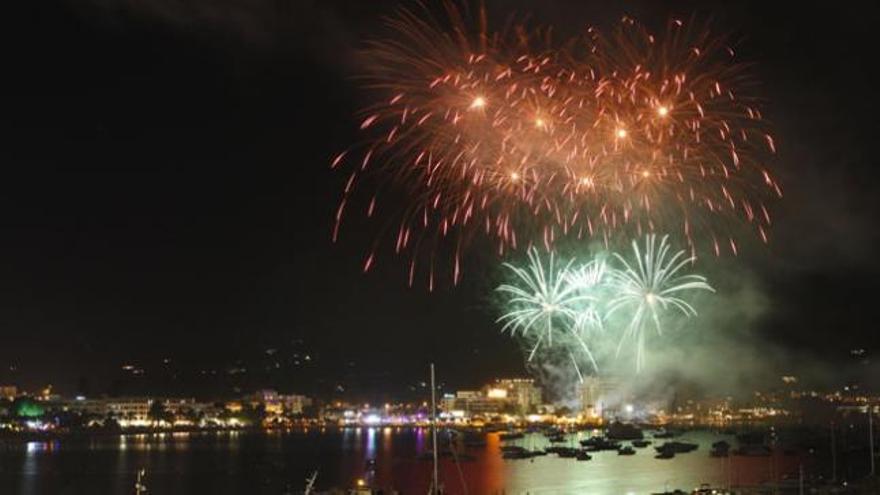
(871, 437)
(434, 482)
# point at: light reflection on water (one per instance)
(371, 442)
(245, 463)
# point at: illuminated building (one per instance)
(496, 393)
(511, 396)
(521, 392)
(269, 399)
(447, 402)
(187, 409)
(129, 410)
(132, 409)
(8, 392)
(467, 394)
(47, 395)
(278, 404)
(294, 404)
(474, 402)
(135, 411)
(264, 396)
(600, 396)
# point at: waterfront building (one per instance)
(131, 410)
(134, 410)
(188, 411)
(522, 393)
(492, 401)
(278, 404)
(269, 399)
(474, 402)
(233, 406)
(294, 403)
(447, 403)
(600, 396)
(483, 406)
(504, 396)
(8, 392)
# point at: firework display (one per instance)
(572, 308)
(545, 305)
(512, 137)
(650, 287)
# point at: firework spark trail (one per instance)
(543, 305)
(509, 136)
(589, 279)
(649, 288)
(576, 309)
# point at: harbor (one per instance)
(369, 460)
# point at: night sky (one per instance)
(166, 200)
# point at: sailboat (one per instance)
(435, 488)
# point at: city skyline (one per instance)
(184, 208)
(442, 246)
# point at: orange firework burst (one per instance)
(509, 136)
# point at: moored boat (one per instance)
(624, 431)
(600, 443)
(511, 435)
(677, 447)
(583, 456)
(706, 489)
(567, 452)
(720, 449)
(664, 433)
